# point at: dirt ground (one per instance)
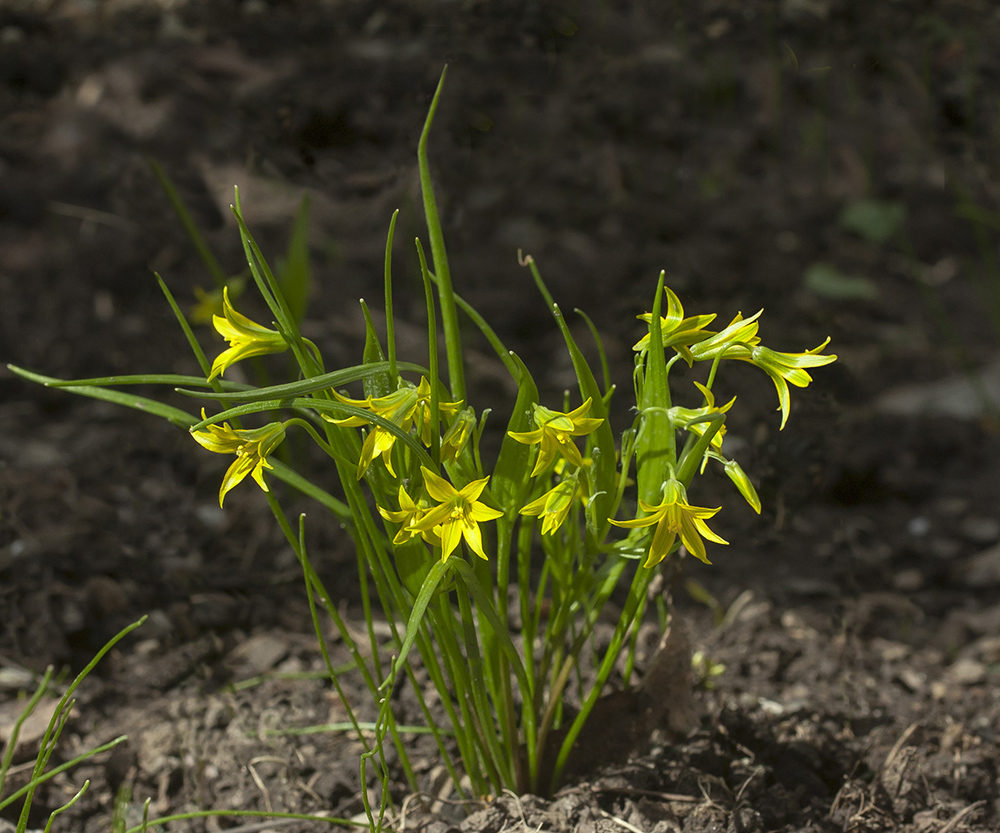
(734, 143)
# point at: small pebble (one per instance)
(967, 671)
(980, 530)
(919, 526)
(908, 581)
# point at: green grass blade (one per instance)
(390, 325)
(214, 269)
(449, 318)
(655, 445)
(304, 386)
(8, 754)
(295, 274)
(199, 354)
(236, 814)
(139, 403)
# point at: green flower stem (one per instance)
(691, 458)
(313, 586)
(469, 730)
(503, 761)
(449, 318)
(636, 592)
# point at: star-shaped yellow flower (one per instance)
(457, 515)
(251, 448)
(403, 407)
(555, 434)
(673, 517)
(246, 338)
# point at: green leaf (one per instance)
(874, 220)
(295, 276)
(204, 252)
(139, 403)
(378, 384)
(449, 318)
(303, 386)
(655, 445)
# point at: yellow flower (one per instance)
(409, 513)
(457, 515)
(555, 434)
(673, 517)
(554, 505)
(251, 448)
(246, 338)
(403, 407)
(787, 367)
(675, 330)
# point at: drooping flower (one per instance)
(788, 367)
(553, 506)
(251, 447)
(457, 515)
(675, 516)
(555, 434)
(675, 330)
(407, 405)
(246, 338)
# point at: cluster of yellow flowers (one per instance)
(445, 515)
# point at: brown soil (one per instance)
(858, 618)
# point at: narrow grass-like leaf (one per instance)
(655, 445)
(608, 387)
(295, 277)
(449, 318)
(378, 384)
(303, 387)
(139, 403)
(15, 732)
(204, 252)
(390, 324)
(236, 814)
(199, 354)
